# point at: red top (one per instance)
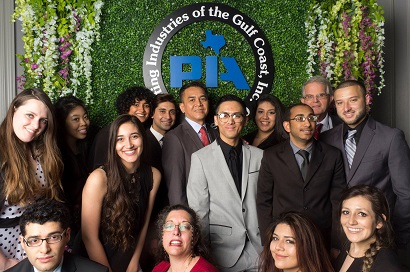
(201, 266)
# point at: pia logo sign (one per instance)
(207, 69)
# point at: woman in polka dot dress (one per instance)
(30, 166)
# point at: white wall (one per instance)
(7, 57)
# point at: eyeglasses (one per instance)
(224, 117)
(310, 97)
(53, 239)
(310, 118)
(182, 227)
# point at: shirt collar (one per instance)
(194, 125)
(296, 149)
(156, 134)
(326, 122)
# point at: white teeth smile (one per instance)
(353, 229)
(129, 152)
(175, 243)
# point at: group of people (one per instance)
(309, 190)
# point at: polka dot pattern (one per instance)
(9, 237)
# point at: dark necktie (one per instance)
(305, 164)
(204, 136)
(318, 130)
(233, 167)
(350, 146)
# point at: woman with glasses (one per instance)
(269, 119)
(183, 248)
(118, 198)
(30, 165)
(364, 218)
(294, 243)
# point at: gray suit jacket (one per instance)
(228, 218)
(382, 159)
(178, 146)
(71, 263)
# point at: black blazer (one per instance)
(154, 155)
(281, 187)
(71, 263)
(179, 144)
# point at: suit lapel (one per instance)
(68, 263)
(315, 162)
(219, 157)
(192, 134)
(246, 155)
(365, 140)
(290, 161)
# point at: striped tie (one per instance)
(350, 147)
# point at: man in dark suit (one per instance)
(163, 108)
(300, 174)
(380, 156)
(317, 92)
(222, 190)
(44, 234)
(190, 136)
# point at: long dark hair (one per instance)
(118, 206)
(279, 133)
(311, 252)
(384, 235)
(199, 247)
(20, 187)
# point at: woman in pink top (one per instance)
(182, 248)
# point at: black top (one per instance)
(271, 140)
(385, 261)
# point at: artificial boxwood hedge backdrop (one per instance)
(126, 26)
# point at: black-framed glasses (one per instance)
(237, 117)
(300, 118)
(52, 239)
(170, 226)
(320, 96)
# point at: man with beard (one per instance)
(373, 154)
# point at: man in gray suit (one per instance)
(190, 136)
(44, 234)
(374, 154)
(222, 190)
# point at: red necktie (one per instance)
(204, 136)
(317, 131)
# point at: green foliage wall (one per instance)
(127, 24)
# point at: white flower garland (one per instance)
(47, 63)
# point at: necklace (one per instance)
(186, 267)
(352, 256)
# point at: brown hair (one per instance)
(310, 249)
(199, 247)
(20, 186)
(118, 206)
(384, 235)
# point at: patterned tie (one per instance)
(161, 142)
(317, 130)
(305, 164)
(204, 136)
(350, 146)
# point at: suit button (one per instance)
(243, 210)
(305, 189)
(306, 208)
